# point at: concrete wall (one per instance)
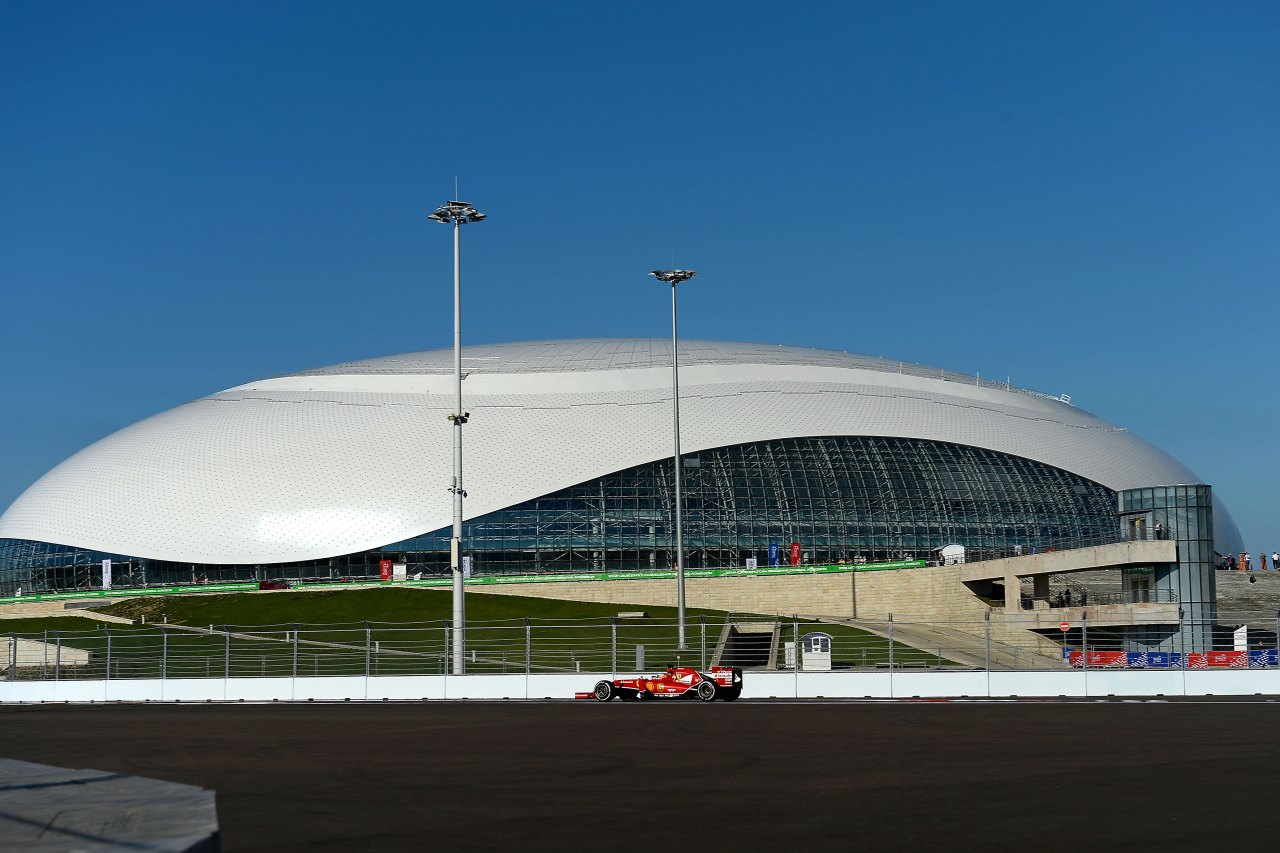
(829, 595)
(1139, 553)
(832, 685)
(924, 595)
(52, 609)
(32, 653)
(928, 594)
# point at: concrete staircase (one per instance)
(748, 644)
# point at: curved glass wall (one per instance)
(842, 498)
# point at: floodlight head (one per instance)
(458, 213)
(673, 276)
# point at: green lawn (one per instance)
(385, 604)
(386, 631)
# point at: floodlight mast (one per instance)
(457, 213)
(674, 277)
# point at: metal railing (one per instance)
(997, 642)
(1076, 597)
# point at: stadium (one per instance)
(326, 473)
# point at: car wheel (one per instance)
(604, 691)
(731, 694)
(707, 690)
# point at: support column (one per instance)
(1012, 594)
(1040, 588)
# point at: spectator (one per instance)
(1231, 562)
(1159, 530)
(1248, 562)
(1275, 561)
(1262, 561)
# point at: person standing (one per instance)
(1248, 561)
(1262, 561)
(1275, 561)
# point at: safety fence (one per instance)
(1166, 638)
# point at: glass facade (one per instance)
(842, 498)
(1183, 514)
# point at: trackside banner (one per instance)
(490, 580)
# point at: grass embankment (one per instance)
(51, 625)
(382, 605)
(247, 634)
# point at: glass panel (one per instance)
(843, 498)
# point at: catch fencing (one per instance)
(626, 645)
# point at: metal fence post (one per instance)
(1182, 639)
(613, 646)
(528, 646)
(295, 649)
(368, 647)
(986, 618)
(164, 652)
(1277, 642)
(57, 660)
(1084, 638)
(107, 628)
(795, 644)
(444, 659)
(703, 620)
(890, 642)
(226, 663)
(13, 661)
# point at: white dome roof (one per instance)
(342, 459)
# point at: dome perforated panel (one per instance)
(343, 459)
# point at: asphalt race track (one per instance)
(747, 776)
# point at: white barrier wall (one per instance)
(766, 685)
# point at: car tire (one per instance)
(730, 694)
(707, 690)
(604, 691)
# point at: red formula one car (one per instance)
(677, 682)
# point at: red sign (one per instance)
(1203, 660)
(1100, 659)
(1065, 626)
(795, 553)
(384, 569)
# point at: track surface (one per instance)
(748, 776)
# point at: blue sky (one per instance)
(1083, 197)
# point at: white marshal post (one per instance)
(457, 213)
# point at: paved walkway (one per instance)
(45, 808)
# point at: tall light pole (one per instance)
(457, 213)
(674, 277)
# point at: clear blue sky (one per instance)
(1084, 197)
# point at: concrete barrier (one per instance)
(763, 685)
